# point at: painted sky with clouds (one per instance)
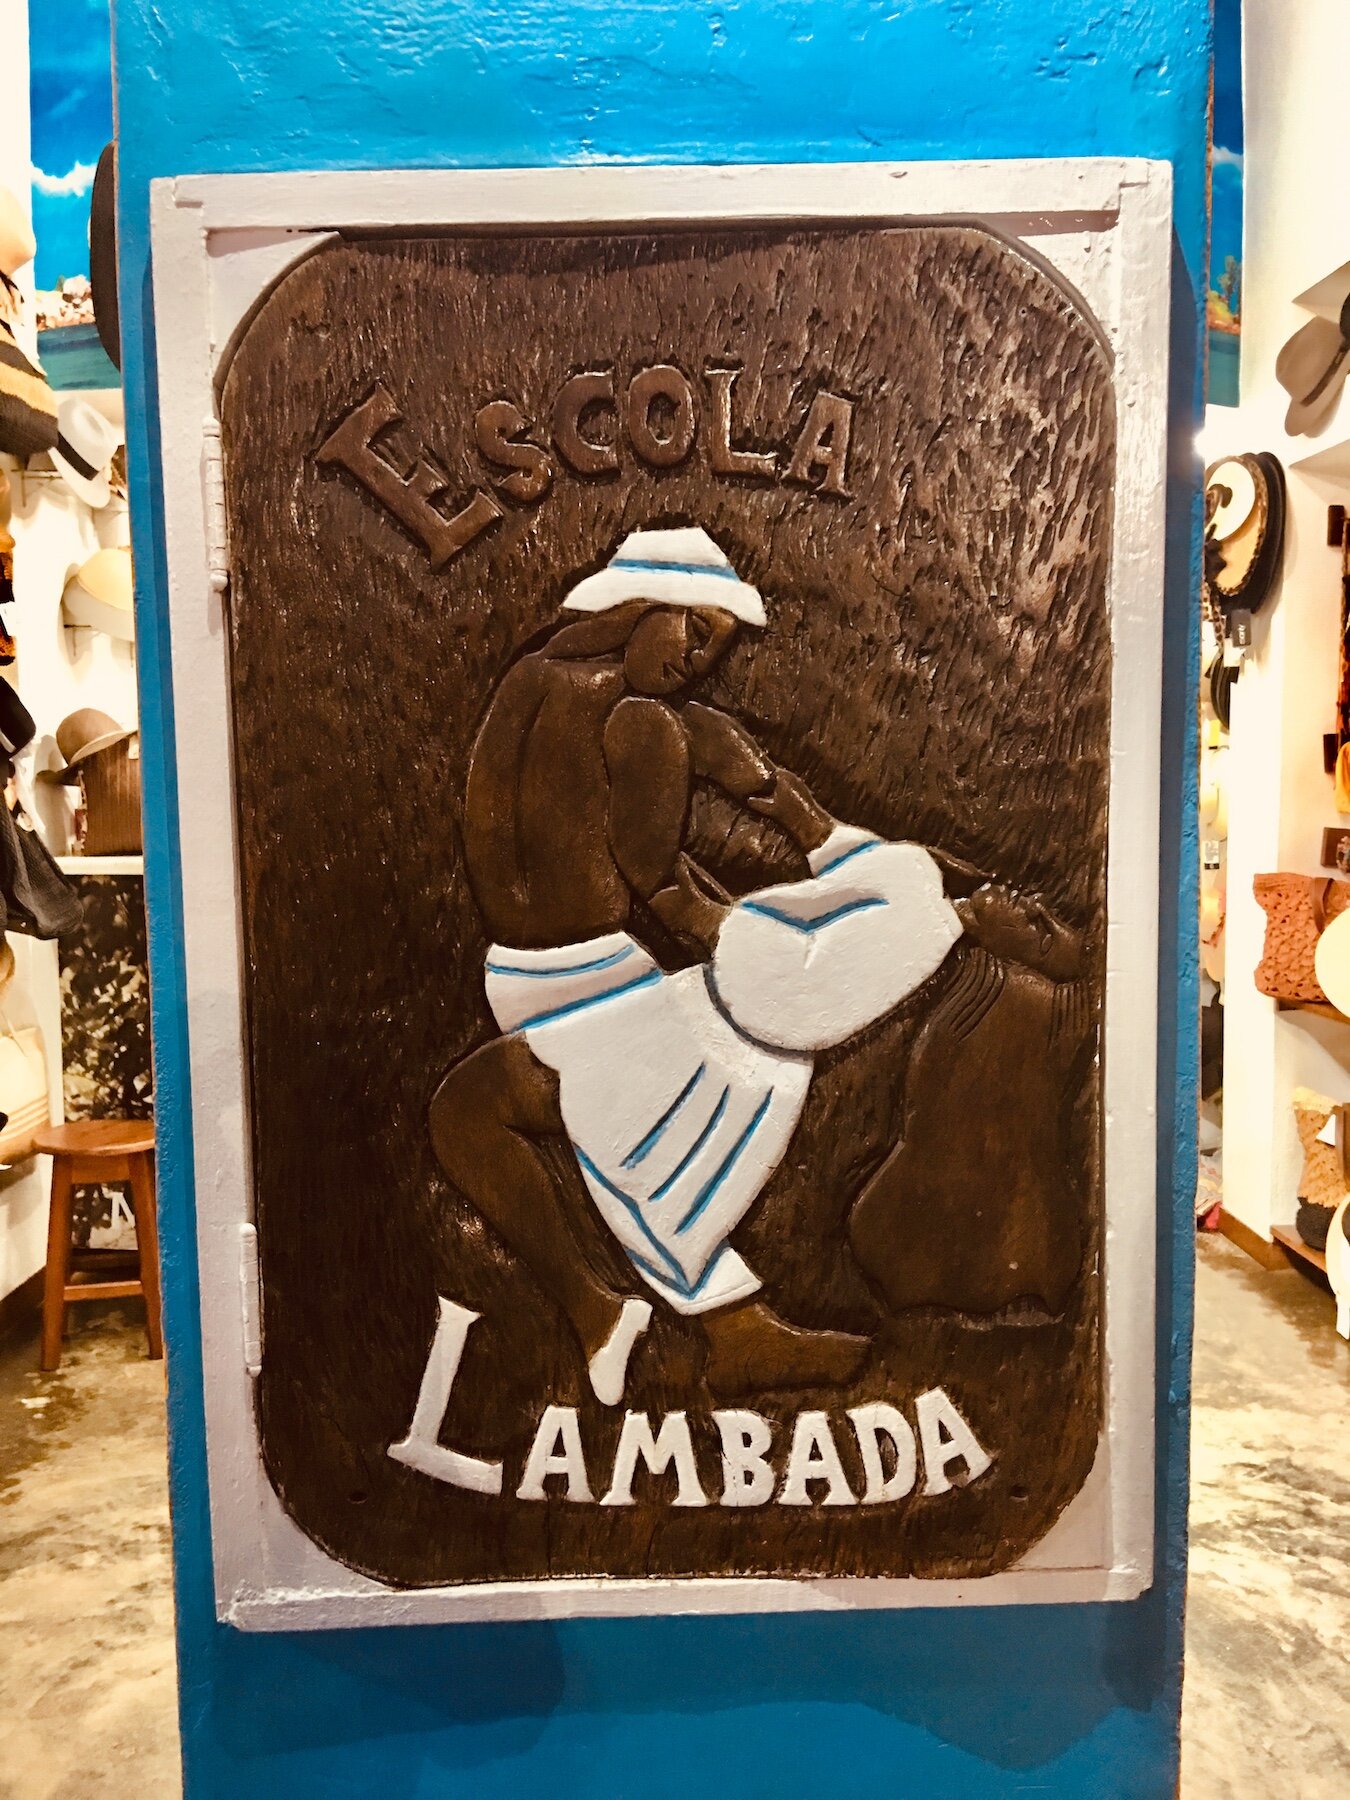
(71, 52)
(1226, 230)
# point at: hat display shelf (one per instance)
(72, 614)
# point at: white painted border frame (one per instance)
(268, 1575)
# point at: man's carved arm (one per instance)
(722, 751)
(647, 753)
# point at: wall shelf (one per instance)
(1294, 1244)
(1323, 1009)
(101, 865)
(1325, 295)
(1330, 464)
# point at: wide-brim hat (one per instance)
(1244, 539)
(103, 254)
(100, 594)
(681, 567)
(27, 404)
(1312, 368)
(84, 447)
(16, 722)
(83, 734)
(1331, 960)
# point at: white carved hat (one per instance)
(682, 567)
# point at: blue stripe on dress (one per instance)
(847, 856)
(808, 926)
(640, 1151)
(685, 1289)
(576, 1006)
(694, 1148)
(729, 1162)
(604, 962)
(631, 1206)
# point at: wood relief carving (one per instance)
(671, 685)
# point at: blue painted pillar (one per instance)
(1059, 1702)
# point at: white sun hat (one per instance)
(100, 594)
(84, 449)
(682, 567)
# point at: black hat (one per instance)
(16, 723)
(103, 254)
(1244, 537)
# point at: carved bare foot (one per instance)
(752, 1350)
(1019, 929)
(607, 1366)
(594, 1312)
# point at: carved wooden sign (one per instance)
(670, 682)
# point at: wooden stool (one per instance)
(94, 1151)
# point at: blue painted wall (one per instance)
(1065, 1702)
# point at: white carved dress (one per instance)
(681, 1092)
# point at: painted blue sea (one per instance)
(1224, 368)
(72, 357)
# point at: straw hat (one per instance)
(99, 594)
(1332, 962)
(27, 404)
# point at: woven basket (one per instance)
(1298, 909)
(111, 780)
(1322, 1182)
(1313, 1223)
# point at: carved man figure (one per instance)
(679, 1092)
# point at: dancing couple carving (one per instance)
(679, 1091)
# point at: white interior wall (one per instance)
(1297, 230)
(14, 109)
(33, 997)
(57, 671)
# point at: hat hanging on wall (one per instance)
(84, 448)
(83, 734)
(1244, 539)
(1312, 369)
(103, 254)
(17, 243)
(6, 572)
(6, 544)
(104, 757)
(16, 722)
(1331, 960)
(1220, 677)
(99, 595)
(27, 404)
(8, 649)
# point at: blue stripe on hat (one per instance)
(672, 568)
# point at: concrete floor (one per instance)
(1267, 1703)
(86, 1614)
(88, 1703)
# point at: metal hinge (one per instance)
(250, 1298)
(213, 494)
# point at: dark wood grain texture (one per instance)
(905, 439)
